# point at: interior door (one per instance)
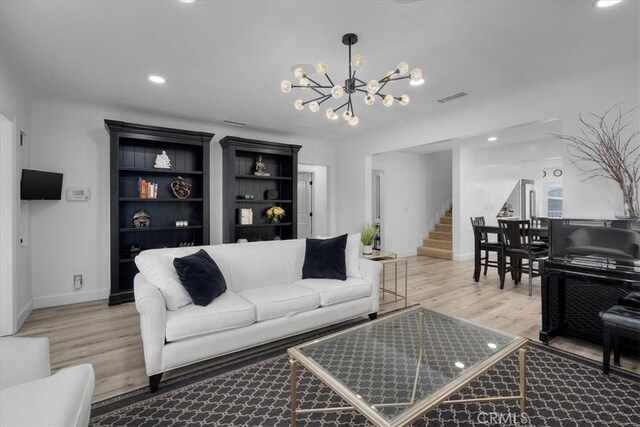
(305, 208)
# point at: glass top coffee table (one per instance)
(396, 369)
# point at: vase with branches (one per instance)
(608, 148)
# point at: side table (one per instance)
(390, 259)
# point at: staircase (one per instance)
(439, 243)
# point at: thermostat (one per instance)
(78, 194)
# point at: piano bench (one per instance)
(617, 322)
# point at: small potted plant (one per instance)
(367, 235)
(275, 214)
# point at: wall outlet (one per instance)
(77, 281)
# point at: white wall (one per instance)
(320, 198)
(566, 98)
(8, 222)
(15, 102)
(404, 187)
(70, 238)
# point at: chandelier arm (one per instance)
(402, 78)
(383, 85)
(357, 86)
(325, 99)
(362, 90)
(351, 106)
(349, 59)
(329, 78)
(315, 99)
(311, 80)
(363, 83)
(340, 107)
(317, 91)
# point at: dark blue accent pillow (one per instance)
(201, 277)
(325, 259)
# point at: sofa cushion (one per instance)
(228, 311)
(335, 291)
(258, 264)
(281, 300)
(325, 259)
(352, 255)
(201, 277)
(63, 399)
(157, 267)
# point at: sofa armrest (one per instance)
(370, 271)
(152, 308)
(23, 359)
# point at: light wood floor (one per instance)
(109, 337)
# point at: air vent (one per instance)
(232, 123)
(452, 97)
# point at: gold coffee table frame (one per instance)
(416, 409)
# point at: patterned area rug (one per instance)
(563, 390)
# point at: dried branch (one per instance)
(602, 151)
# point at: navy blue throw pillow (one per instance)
(325, 259)
(201, 277)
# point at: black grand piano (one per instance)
(592, 263)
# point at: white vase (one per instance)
(367, 249)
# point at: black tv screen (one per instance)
(40, 185)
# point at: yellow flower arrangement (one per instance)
(275, 213)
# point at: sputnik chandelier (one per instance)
(351, 86)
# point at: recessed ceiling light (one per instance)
(416, 82)
(492, 138)
(606, 3)
(459, 365)
(157, 79)
(492, 346)
(187, 1)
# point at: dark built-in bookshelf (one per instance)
(239, 164)
(134, 149)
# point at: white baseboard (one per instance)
(24, 313)
(70, 298)
(408, 252)
(463, 257)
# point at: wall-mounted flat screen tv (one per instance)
(40, 185)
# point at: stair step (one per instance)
(446, 220)
(448, 214)
(444, 228)
(440, 235)
(440, 244)
(435, 253)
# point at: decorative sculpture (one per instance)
(181, 188)
(162, 161)
(141, 219)
(261, 169)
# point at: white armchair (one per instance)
(31, 396)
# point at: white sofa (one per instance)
(31, 396)
(266, 300)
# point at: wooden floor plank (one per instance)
(109, 337)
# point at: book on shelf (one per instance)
(245, 216)
(147, 189)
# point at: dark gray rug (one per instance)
(563, 390)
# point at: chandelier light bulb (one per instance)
(304, 81)
(299, 104)
(391, 75)
(285, 86)
(321, 68)
(404, 100)
(369, 99)
(353, 120)
(387, 101)
(331, 114)
(403, 68)
(314, 106)
(337, 91)
(373, 86)
(299, 73)
(357, 61)
(416, 77)
(346, 115)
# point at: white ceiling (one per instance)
(225, 59)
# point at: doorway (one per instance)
(305, 205)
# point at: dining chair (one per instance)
(518, 247)
(484, 245)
